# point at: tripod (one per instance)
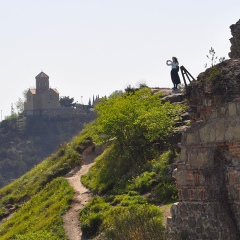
(185, 72)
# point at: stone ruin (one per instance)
(208, 167)
(235, 40)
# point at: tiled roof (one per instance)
(42, 75)
(33, 91)
(55, 90)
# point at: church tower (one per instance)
(42, 82)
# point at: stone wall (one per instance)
(61, 111)
(208, 178)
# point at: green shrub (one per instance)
(137, 222)
(107, 171)
(128, 200)
(165, 192)
(144, 182)
(91, 216)
(213, 72)
(91, 226)
(9, 199)
(165, 189)
(100, 214)
(2, 212)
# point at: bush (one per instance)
(91, 226)
(165, 192)
(213, 72)
(144, 182)
(91, 216)
(137, 222)
(128, 200)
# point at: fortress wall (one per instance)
(208, 178)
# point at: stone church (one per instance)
(43, 98)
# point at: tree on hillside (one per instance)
(89, 103)
(20, 102)
(20, 105)
(135, 119)
(66, 101)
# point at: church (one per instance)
(41, 99)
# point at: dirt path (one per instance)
(81, 197)
(6, 218)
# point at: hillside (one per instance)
(25, 142)
(139, 132)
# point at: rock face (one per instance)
(213, 88)
(208, 167)
(235, 40)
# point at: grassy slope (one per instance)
(41, 197)
(42, 213)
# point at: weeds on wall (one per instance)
(213, 58)
(214, 71)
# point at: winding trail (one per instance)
(81, 197)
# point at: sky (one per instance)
(94, 47)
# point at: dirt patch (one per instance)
(81, 197)
(6, 218)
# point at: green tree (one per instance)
(135, 119)
(20, 105)
(20, 102)
(66, 101)
(89, 103)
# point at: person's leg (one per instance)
(172, 77)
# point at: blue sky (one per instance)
(94, 47)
